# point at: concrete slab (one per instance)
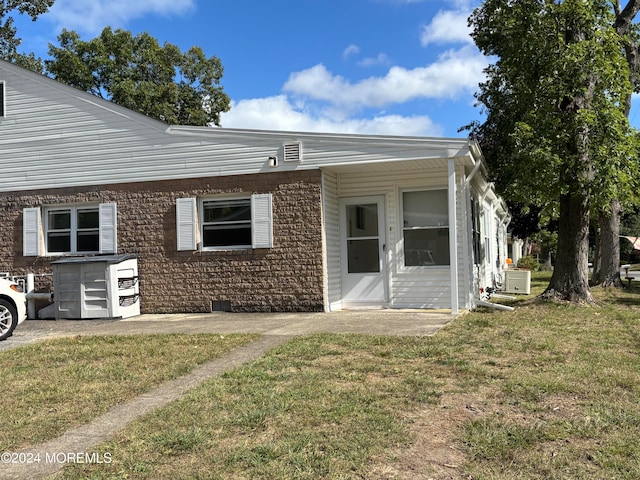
(367, 322)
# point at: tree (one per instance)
(607, 261)
(9, 42)
(556, 134)
(136, 72)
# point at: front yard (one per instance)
(546, 391)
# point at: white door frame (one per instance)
(369, 288)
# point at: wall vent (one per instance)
(221, 306)
(292, 152)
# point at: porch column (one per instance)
(453, 236)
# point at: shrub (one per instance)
(529, 263)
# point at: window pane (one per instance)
(58, 242)
(363, 256)
(88, 218)
(227, 210)
(88, 242)
(362, 220)
(425, 209)
(227, 235)
(59, 219)
(426, 247)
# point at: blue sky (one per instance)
(399, 67)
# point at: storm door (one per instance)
(363, 251)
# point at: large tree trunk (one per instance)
(570, 279)
(608, 254)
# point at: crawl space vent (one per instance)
(293, 152)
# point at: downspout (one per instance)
(473, 172)
(476, 154)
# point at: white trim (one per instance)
(453, 236)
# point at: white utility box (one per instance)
(517, 281)
(96, 287)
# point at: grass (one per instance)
(52, 386)
(546, 391)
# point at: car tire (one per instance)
(8, 319)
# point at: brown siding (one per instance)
(287, 277)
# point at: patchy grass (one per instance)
(51, 386)
(547, 391)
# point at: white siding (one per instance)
(56, 136)
(332, 240)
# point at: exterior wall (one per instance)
(287, 277)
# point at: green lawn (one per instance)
(546, 391)
(51, 386)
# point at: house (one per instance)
(243, 220)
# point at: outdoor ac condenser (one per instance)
(517, 281)
(96, 287)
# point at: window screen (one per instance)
(425, 228)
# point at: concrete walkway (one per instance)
(275, 330)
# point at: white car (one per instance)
(13, 307)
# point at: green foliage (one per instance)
(9, 42)
(555, 100)
(136, 72)
(529, 263)
(557, 131)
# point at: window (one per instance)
(475, 228)
(75, 229)
(2, 103)
(224, 223)
(425, 228)
(487, 238)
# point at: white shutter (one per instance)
(186, 223)
(108, 228)
(31, 232)
(261, 221)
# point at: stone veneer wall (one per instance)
(287, 277)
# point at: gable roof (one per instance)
(53, 135)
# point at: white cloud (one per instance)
(447, 27)
(91, 16)
(455, 72)
(380, 59)
(350, 50)
(278, 113)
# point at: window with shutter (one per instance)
(74, 229)
(225, 223)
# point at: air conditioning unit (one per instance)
(96, 287)
(517, 281)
